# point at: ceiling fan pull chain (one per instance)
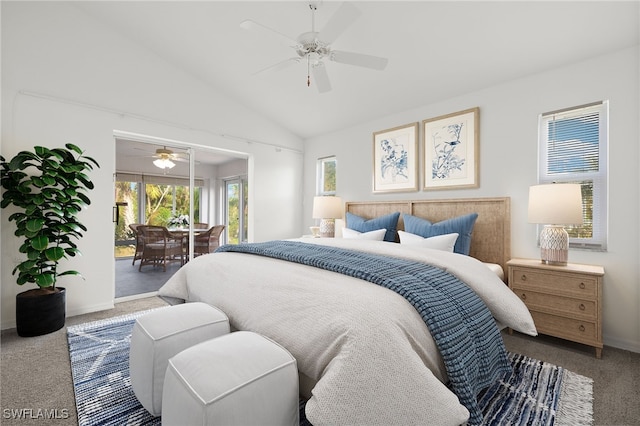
(313, 6)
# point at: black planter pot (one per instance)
(40, 311)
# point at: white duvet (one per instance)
(365, 347)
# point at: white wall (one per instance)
(508, 166)
(96, 82)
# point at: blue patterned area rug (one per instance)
(535, 393)
(99, 354)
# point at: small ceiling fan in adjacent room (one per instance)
(314, 47)
(165, 158)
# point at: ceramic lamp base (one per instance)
(327, 228)
(554, 245)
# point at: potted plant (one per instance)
(47, 188)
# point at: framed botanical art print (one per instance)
(395, 159)
(450, 147)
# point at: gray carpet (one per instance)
(130, 281)
(36, 372)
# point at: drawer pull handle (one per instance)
(523, 297)
(581, 328)
(582, 307)
(523, 277)
(582, 286)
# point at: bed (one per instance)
(364, 353)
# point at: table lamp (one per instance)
(555, 205)
(327, 209)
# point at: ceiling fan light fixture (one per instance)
(163, 163)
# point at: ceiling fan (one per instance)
(314, 47)
(164, 158)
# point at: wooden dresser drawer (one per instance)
(566, 328)
(566, 306)
(566, 284)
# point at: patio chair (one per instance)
(214, 239)
(160, 246)
(207, 241)
(138, 253)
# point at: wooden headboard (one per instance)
(491, 237)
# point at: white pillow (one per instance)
(444, 242)
(377, 235)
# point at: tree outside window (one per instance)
(326, 178)
(162, 202)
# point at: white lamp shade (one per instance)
(327, 207)
(555, 204)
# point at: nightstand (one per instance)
(564, 301)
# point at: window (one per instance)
(161, 197)
(573, 149)
(237, 213)
(326, 178)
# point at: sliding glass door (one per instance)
(152, 187)
(126, 213)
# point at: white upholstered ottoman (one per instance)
(163, 333)
(241, 378)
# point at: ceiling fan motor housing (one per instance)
(308, 43)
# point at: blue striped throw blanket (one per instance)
(460, 323)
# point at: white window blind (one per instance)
(157, 179)
(573, 149)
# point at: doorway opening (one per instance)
(187, 195)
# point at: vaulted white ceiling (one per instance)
(436, 50)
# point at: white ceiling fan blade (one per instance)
(280, 65)
(344, 16)
(183, 160)
(261, 30)
(321, 78)
(359, 59)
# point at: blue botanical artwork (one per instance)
(446, 161)
(394, 164)
(394, 159)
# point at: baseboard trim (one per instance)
(136, 296)
(626, 345)
(89, 309)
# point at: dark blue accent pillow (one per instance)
(388, 222)
(462, 225)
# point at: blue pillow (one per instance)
(462, 225)
(388, 222)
